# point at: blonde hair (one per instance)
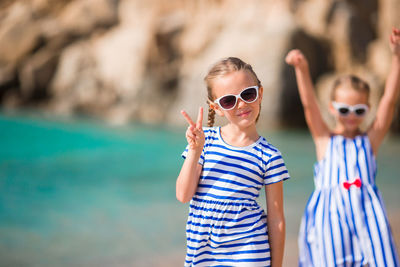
(353, 81)
(220, 69)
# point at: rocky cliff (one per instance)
(132, 60)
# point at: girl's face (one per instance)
(347, 95)
(243, 114)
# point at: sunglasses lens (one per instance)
(360, 111)
(249, 95)
(227, 102)
(343, 111)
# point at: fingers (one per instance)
(199, 122)
(289, 57)
(294, 57)
(195, 137)
(188, 119)
(193, 132)
(395, 35)
(394, 41)
(190, 132)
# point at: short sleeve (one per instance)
(276, 170)
(185, 152)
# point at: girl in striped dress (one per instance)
(222, 175)
(345, 222)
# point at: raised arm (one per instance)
(188, 178)
(387, 104)
(318, 128)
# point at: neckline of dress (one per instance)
(237, 147)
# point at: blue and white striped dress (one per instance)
(226, 226)
(345, 222)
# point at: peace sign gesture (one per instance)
(194, 133)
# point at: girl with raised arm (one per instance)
(345, 222)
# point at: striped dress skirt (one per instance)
(345, 222)
(222, 233)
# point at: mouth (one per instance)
(245, 113)
(352, 122)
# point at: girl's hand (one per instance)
(395, 41)
(194, 133)
(296, 59)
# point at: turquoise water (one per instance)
(82, 193)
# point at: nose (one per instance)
(240, 103)
(352, 115)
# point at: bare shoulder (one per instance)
(321, 144)
(375, 140)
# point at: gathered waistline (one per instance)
(336, 186)
(229, 202)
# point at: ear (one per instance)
(216, 108)
(260, 92)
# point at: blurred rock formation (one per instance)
(131, 60)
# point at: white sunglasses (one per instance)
(344, 110)
(247, 95)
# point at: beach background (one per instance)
(82, 193)
(90, 130)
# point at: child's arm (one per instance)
(319, 130)
(276, 222)
(188, 178)
(387, 104)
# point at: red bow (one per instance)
(356, 182)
